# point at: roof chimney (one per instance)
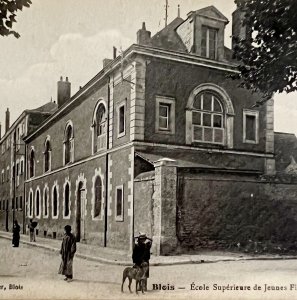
(178, 11)
(143, 36)
(114, 52)
(64, 91)
(7, 120)
(239, 31)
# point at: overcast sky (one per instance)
(72, 37)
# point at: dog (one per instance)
(139, 274)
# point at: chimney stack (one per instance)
(143, 36)
(114, 52)
(7, 120)
(64, 91)
(240, 31)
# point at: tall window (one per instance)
(68, 144)
(47, 156)
(209, 42)
(250, 126)
(208, 119)
(45, 202)
(21, 203)
(37, 203)
(165, 115)
(98, 197)
(99, 128)
(119, 203)
(21, 166)
(17, 173)
(7, 173)
(121, 113)
(30, 208)
(66, 200)
(32, 164)
(55, 202)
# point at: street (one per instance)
(31, 273)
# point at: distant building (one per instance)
(13, 163)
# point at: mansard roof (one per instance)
(49, 107)
(167, 38)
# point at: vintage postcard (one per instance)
(132, 161)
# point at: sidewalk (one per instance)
(121, 257)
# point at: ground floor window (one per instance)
(55, 202)
(119, 196)
(98, 197)
(66, 201)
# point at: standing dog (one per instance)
(138, 273)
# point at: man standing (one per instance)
(31, 227)
(68, 249)
(141, 252)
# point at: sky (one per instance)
(72, 37)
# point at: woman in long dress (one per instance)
(16, 234)
(68, 249)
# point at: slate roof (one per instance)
(187, 159)
(49, 107)
(168, 38)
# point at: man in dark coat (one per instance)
(68, 249)
(16, 234)
(141, 252)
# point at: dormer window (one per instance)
(209, 42)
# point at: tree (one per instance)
(8, 9)
(268, 54)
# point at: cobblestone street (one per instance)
(35, 270)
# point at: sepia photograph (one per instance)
(148, 149)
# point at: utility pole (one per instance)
(166, 12)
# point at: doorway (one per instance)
(80, 213)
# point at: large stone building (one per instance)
(13, 165)
(160, 140)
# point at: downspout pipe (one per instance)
(106, 166)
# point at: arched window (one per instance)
(209, 116)
(55, 202)
(32, 163)
(98, 197)
(66, 200)
(68, 144)
(208, 119)
(47, 156)
(30, 208)
(37, 203)
(45, 202)
(99, 128)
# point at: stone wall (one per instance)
(221, 210)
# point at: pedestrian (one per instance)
(68, 249)
(16, 234)
(141, 253)
(31, 227)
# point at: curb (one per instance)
(128, 263)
